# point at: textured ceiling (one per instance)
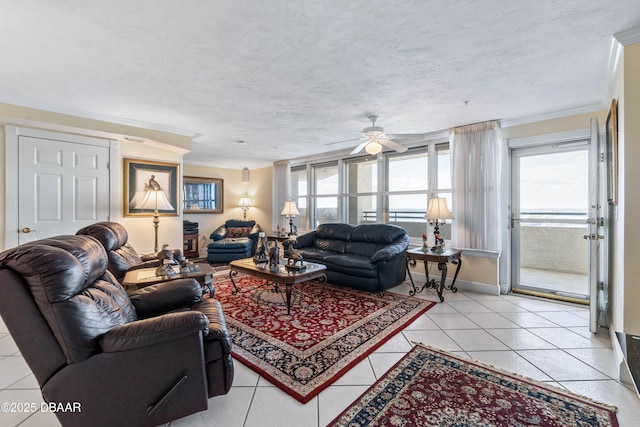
(289, 77)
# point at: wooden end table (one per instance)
(136, 279)
(281, 276)
(442, 258)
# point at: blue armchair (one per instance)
(235, 239)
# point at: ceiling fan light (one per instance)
(373, 148)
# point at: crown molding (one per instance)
(625, 38)
(102, 118)
(554, 115)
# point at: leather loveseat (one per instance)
(371, 257)
(118, 360)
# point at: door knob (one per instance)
(28, 230)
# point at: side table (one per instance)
(442, 258)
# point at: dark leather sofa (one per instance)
(235, 239)
(138, 360)
(371, 257)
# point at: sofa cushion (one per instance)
(314, 254)
(230, 243)
(363, 248)
(334, 231)
(354, 265)
(234, 232)
(330, 245)
(377, 233)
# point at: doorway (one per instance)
(550, 206)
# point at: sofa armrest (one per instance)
(166, 296)
(149, 257)
(306, 240)
(219, 233)
(255, 230)
(147, 332)
(145, 264)
(391, 251)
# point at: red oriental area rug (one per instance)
(329, 331)
(430, 387)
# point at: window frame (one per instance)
(382, 194)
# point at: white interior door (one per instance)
(62, 186)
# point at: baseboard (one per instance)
(481, 288)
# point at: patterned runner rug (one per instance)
(329, 331)
(430, 387)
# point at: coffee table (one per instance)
(279, 276)
(136, 279)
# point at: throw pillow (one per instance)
(238, 231)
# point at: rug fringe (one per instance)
(553, 387)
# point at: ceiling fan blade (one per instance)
(394, 145)
(340, 142)
(359, 148)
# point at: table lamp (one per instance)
(290, 211)
(437, 212)
(245, 204)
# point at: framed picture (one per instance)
(202, 195)
(611, 136)
(150, 186)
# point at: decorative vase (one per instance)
(425, 248)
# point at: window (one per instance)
(392, 188)
(326, 189)
(408, 188)
(299, 194)
(362, 190)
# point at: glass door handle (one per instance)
(593, 236)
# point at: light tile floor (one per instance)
(544, 340)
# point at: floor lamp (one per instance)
(156, 200)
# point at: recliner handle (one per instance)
(152, 410)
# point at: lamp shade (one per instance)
(438, 210)
(290, 209)
(151, 199)
(245, 202)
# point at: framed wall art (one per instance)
(150, 186)
(203, 195)
(611, 135)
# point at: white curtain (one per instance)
(476, 165)
(281, 191)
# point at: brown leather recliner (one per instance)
(122, 256)
(142, 360)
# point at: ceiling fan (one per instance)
(375, 139)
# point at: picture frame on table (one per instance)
(150, 185)
(611, 140)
